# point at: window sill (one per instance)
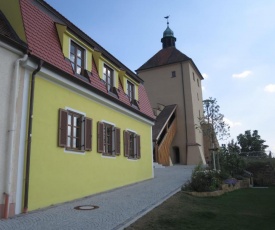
(133, 159)
(134, 104)
(84, 77)
(108, 156)
(74, 151)
(114, 94)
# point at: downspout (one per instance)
(28, 157)
(11, 134)
(184, 106)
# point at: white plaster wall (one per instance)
(7, 72)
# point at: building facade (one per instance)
(12, 57)
(172, 78)
(84, 118)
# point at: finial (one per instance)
(167, 17)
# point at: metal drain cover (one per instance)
(86, 207)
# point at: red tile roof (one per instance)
(42, 38)
(166, 56)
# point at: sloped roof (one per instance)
(165, 56)
(6, 31)
(39, 22)
(162, 120)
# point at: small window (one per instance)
(198, 82)
(131, 145)
(193, 76)
(173, 74)
(108, 139)
(130, 91)
(198, 96)
(77, 58)
(75, 131)
(108, 77)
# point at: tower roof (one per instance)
(166, 56)
(168, 32)
(168, 39)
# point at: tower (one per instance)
(172, 78)
(168, 39)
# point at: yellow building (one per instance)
(87, 118)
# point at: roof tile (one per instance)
(165, 56)
(44, 43)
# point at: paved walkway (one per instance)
(117, 208)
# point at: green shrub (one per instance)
(231, 163)
(204, 180)
(263, 171)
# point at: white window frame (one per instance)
(113, 139)
(80, 152)
(85, 51)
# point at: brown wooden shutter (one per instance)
(62, 128)
(100, 143)
(138, 146)
(126, 143)
(117, 141)
(113, 141)
(88, 133)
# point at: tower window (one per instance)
(173, 74)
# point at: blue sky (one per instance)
(231, 42)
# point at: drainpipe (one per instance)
(28, 157)
(11, 134)
(184, 106)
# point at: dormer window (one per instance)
(77, 58)
(130, 91)
(108, 77)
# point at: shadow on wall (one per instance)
(176, 155)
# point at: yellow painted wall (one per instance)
(56, 176)
(123, 78)
(11, 10)
(65, 37)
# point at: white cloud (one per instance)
(244, 74)
(270, 88)
(232, 123)
(202, 88)
(205, 76)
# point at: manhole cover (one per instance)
(86, 207)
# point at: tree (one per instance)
(251, 144)
(230, 160)
(213, 125)
(233, 147)
(213, 119)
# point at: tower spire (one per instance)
(167, 17)
(168, 38)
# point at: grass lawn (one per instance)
(244, 209)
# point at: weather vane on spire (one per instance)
(167, 17)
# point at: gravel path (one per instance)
(117, 208)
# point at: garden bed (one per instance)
(225, 188)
